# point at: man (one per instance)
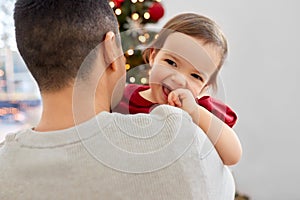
(79, 150)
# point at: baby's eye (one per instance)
(171, 62)
(196, 76)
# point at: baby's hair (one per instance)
(199, 27)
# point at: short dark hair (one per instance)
(55, 36)
(197, 26)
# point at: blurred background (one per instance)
(259, 81)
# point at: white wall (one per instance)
(261, 80)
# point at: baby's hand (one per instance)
(184, 99)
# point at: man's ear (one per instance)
(110, 50)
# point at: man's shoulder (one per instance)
(163, 119)
(159, 110)
(170, 111)
(11, 137)
(160, 113)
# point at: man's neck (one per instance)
(61, 111)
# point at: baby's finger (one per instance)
(170, 99)
(175, 99)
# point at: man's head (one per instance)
(55, 36)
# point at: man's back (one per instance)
(115, 156)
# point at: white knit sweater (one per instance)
(114, 156)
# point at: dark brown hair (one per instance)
(197, 26)
(55, 36)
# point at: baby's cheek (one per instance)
(158, 73)
(194, 90)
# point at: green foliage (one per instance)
(132, 16)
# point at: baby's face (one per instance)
(183, 62)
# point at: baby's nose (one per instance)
(178, 80)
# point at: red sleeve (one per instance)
(219, 109)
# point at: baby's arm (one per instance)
(220, 134)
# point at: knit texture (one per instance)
(114, 156)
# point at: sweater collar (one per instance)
(35, 139)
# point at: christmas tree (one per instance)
(132, 16)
